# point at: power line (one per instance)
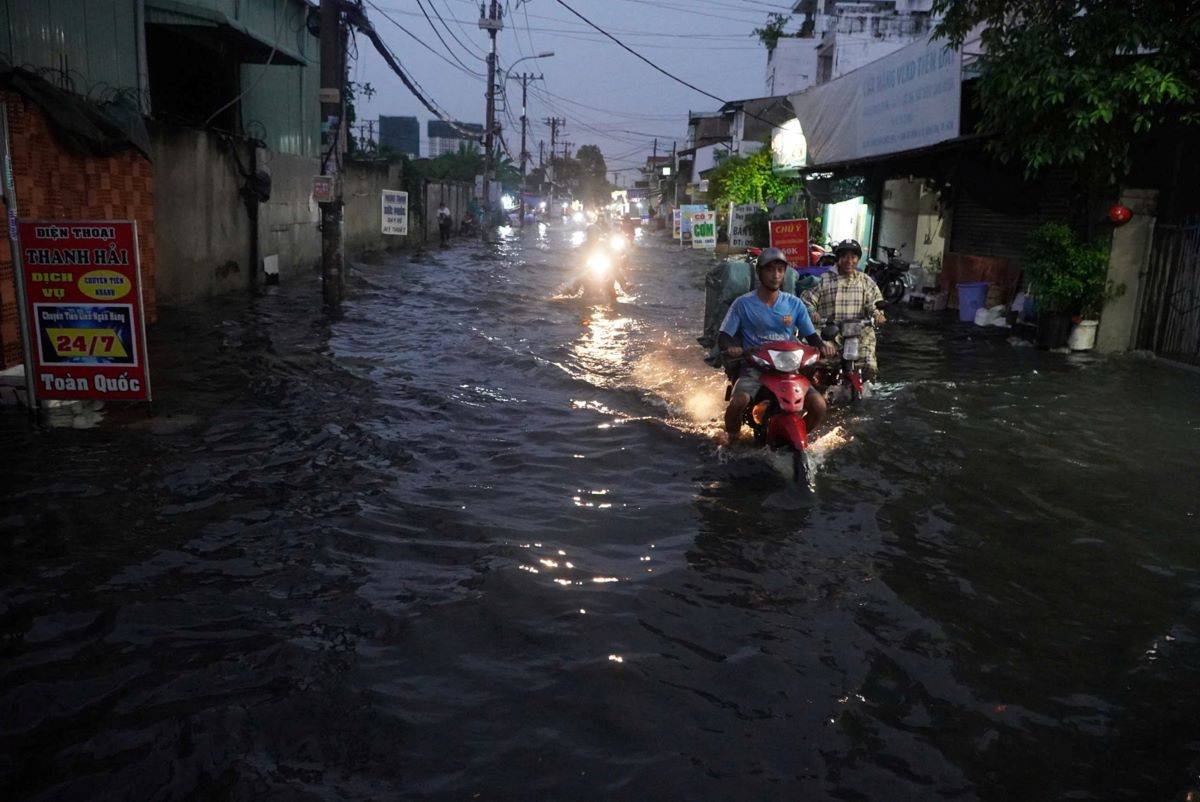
(627, 48)
(438, 33)
(357, 17)
(423, 44)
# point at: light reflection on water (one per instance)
(418, 525)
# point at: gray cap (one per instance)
(771, 255)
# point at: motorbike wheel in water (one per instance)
(893, 290)
(801, 467)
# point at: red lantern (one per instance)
(1119, 215)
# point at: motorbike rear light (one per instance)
(759, 413)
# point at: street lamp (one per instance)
(524, 85)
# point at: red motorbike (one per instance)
(776, 414)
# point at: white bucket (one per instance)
(1083, 335)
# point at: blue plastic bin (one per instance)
(971, 297)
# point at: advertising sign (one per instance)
(676, 224)
(84, 299)
(704, 229)
(791, 237)
(739, 220)
(323, 188)
(395, 212)
(685, 219)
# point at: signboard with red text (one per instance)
(791, 237)
(84, 299)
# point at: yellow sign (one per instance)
(86, 342)
(104, 285)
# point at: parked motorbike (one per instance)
(892, 276)
(820, 256)
(841, 377)
(776, 414)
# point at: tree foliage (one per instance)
(748, 179)
(462, 165)
(1066, 273)
(1071, 82)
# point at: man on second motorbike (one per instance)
(759, 316)
(848, 295)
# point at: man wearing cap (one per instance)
(759, 316)
(848, 294)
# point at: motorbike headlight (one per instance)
(787, 361)
(599, 264)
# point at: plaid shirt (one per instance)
(837, 298)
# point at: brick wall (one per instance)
(53, 184)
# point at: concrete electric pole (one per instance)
(332, 96)
(492, 23)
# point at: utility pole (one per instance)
(525, 79)
(567, 150)
(554, 123)
(492, 24)
(333, 76)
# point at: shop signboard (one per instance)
(791, 237)
(704, 229)
(676, 224)
(84, 298)
(739, 223)
(394, 216)
(685, 219)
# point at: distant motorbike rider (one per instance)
(762, 315)
(848, 294)
(602, 268)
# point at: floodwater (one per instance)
(473, 540)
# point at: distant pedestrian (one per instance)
(445, 221)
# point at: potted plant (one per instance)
(1068, 279)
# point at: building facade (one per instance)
(446, 138)
(400, 135)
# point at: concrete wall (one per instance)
(287, 224)
(1129, 256)
(362, 189)
(203, 230)
(930, 246)
(898, 217)
(791, 67)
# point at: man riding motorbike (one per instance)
(762, 315)
(604, 266)
(848, 295)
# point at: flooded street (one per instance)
(474, 540)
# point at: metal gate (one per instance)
(1169, 316)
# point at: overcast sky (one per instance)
(608, 97)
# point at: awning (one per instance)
(253, 47)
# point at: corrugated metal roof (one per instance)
(89, 47)
(275, 24)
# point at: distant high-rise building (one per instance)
(443, 138)
(401, 134)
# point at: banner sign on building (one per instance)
(84, 297)
(676, 224)
(704, 229)
(791, 237)
(395, 212)
(739, 221)
(906, 100)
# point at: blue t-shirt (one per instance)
(758, 323)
